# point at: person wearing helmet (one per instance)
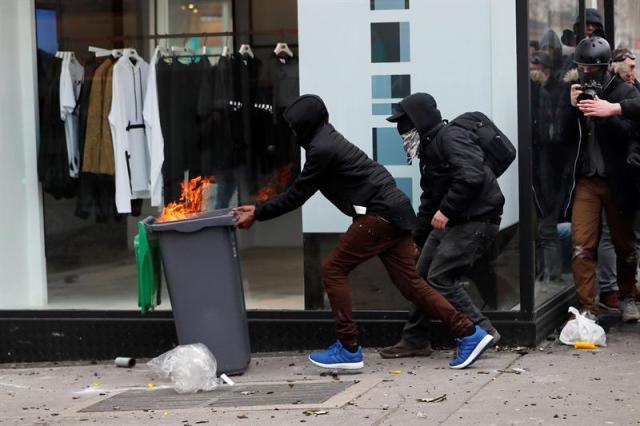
(383, 219)
(600, 177)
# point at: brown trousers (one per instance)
(592, 195)
(370, 236)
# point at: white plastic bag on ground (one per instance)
(582, 329)
(191, 368)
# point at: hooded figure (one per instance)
(382, 222)
(454, 178)
(338, 169)
(459, 214)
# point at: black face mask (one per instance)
(597, 76)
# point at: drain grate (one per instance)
(248, 395)
(143, 399)
(279, 394)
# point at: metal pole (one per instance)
(527, 290)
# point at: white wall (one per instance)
(22, 264)
(463, 52)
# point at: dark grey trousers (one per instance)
(446, 256)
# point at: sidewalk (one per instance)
(552, 384)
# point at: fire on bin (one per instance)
(191, 199)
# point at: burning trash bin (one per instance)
(200, 260)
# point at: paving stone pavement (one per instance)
(550, 384)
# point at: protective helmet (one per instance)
(593, 50)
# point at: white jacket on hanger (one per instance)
(128, 132)
(71, 79)
(155, 140)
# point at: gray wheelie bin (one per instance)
(202, 269)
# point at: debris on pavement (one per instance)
(248, 392)
(315, 412)
(395, 372)
(436, 399)
(512, 370)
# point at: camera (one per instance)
(589, 91)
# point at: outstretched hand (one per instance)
(246, 216)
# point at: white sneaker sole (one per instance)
(343, 366)
(477, 351)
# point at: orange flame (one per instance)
(277, 183)
(190, 199)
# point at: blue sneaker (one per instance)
(336, 356)
(470, 348)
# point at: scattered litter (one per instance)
(482, 372)
(395, 372)
(333, 374)
(247, 392)
(315, 412)
(95, 384)
(191, 368)
(521, 350)
(291, 385)
(150, 386)
(512, 371)
(165, 413)
(227, 380)
(436, 399)
(519, 370)
(585, 345)
(125, 362)
(242, 416)
(421, 415)
(582, 329)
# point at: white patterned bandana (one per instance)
(410, 144)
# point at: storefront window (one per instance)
(220, 102)
(552, 38)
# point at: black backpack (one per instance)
(498, 150)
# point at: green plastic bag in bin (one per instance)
(149, 269)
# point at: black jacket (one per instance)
(454, 178)
(615, 136)
(338, 169)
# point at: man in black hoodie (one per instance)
(459, 215)
(383, 219)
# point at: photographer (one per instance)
(600, 178)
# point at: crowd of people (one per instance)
(586, 144)
(585, 156)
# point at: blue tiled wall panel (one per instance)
(387, 147)
(389, 42)
(390, 86)
(381, 109)
(405, 184)
(389, 4)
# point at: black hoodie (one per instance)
(338, 169)
(454, 178)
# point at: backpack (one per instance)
(498, 150)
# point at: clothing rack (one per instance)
(280, 32)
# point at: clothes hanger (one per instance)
(245, 50)
(226, 52)
(282, 48)
(100, 52)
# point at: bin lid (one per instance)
(220, 217)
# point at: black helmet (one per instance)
(593, 50)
